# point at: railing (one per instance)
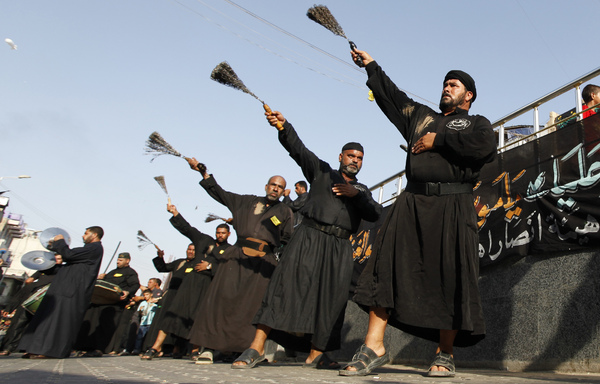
(534, 105)
(381, 184)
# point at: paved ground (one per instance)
(130, 369)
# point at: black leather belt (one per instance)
(260, 247)
(328, 229)
(439, 189)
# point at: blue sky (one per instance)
(92, 79)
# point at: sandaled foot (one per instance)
(150, 354)
(326, 363)
(205, 357)
(445, 360)
(250, 357)
(40, 357)
(364, 361)
(94, 353)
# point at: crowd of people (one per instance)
(287, 276)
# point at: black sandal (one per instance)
(442, 359)
(364, 361)
(150, 354)
(251, 357)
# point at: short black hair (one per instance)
(97, 230)
(224, 226)
(303, 184)
(157, 281)
(588, 91)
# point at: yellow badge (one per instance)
(275, 220)
(188, 270)
(117, 275)
(221, 251)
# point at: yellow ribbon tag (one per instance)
(221, 251)
(275, 220)
(188, 270)
(118, 275)
(371, 97)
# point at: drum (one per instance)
(106, 293)
(33, 302)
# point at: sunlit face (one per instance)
(89, 236)
(454, 94)
(221, 235)
(299, 190)
(122, 262)
(190, 252)
(58, 258)
(351, 162)
(151, 284)
(275, 188)
(147, 295)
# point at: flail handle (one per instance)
(268, 110)
(359, 60)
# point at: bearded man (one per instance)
(422, 274)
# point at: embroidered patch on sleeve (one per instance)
(275, 220)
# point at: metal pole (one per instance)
(578, 102)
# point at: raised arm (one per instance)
(308, 161)
(201, 241)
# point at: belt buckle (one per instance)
(432, 189)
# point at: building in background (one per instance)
(15, 241)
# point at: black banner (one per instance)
(542, 195)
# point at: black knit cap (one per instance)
(353, 145)
(464, 78)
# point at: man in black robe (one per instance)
(54, 327)
(263, 225)
(21, 316)
(422, 274)
(179, 270)
(308, 291)
(301, 190)
(180, 316)
(101, 320)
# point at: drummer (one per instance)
(100, 321)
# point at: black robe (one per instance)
(308, 290)
(425, 265)
(54, 327)
(224, 321)
(179, 269)
(22, 317)
(101, 321)
(180, 316)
